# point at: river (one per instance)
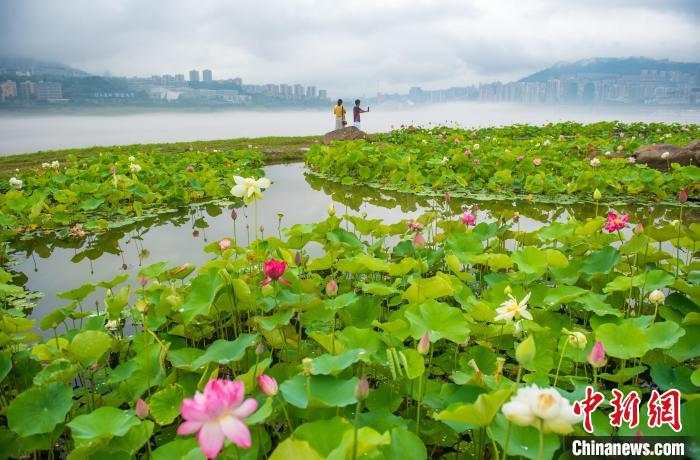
(23, 133)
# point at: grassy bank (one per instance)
(274, 150)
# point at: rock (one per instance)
(651, 155)
(349, 133)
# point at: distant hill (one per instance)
(606, 67)
(14, 64)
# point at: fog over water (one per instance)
(24, 133)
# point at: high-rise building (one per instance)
(286, 91)
(310, 92)
(48, 90)
(298, 91)
(27, 89)
(322, 94)
(194, 75)
(206, 76)
(8, 89)
(179, 77)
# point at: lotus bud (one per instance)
(362, 389)
(267, 385)
(596, 357)
(525, 352)
(331, 209)
(657, 297)
(597, 195)
(516, 217)
(297, 259)
(683, 195)
(638, 229)
(234, 214)
(578, 340)
(332, 288)
(259, 349)
(307, 364)
(447, 197)
(418, 241)
(141, 409)
(424, 344)
(143, 280)
(508, 290)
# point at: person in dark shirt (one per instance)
(356, 111)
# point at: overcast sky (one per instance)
(346, 45)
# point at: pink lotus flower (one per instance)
(113, 169)
(218, 413)
(596, 357)
(224, 244)
(520, 158)
(332, 288)
(537, 161)
(424, 344)
(267, 385)
(415, 226)
(457, 141)
(190, 168)
(439, 136)
(683, 195)
(141, 409)
(468, 152)
(418, 240)
(477, 161)
(274, 269)
(616, 222)
(468, 219)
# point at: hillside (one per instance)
(605, 67)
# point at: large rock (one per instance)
(349, 133)
(651, 155)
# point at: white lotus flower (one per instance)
(595, 162)
(131, 158)
(664, 156)
(546, 142)
(111, 325)
(55, 164)
(15, 183)
(248, 188)
(657, 297)
(46, 165)
(620, 148)
(511, 309)
(134, 168)
(578, 340)
(476, 147)
(543, 408)
(445, 160)
(631, 160)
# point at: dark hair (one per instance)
(357, 101)
(340, 101)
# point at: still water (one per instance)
(53, 265)
(30, 133)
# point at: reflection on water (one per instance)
(53, 265)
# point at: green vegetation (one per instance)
(553, 160)
(442, 337)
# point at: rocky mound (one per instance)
(349, 133)
(652, 155)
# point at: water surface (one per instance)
(21, 133)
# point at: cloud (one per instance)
(361, 46)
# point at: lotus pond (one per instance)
(340, 316)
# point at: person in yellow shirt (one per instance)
(339, 112)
